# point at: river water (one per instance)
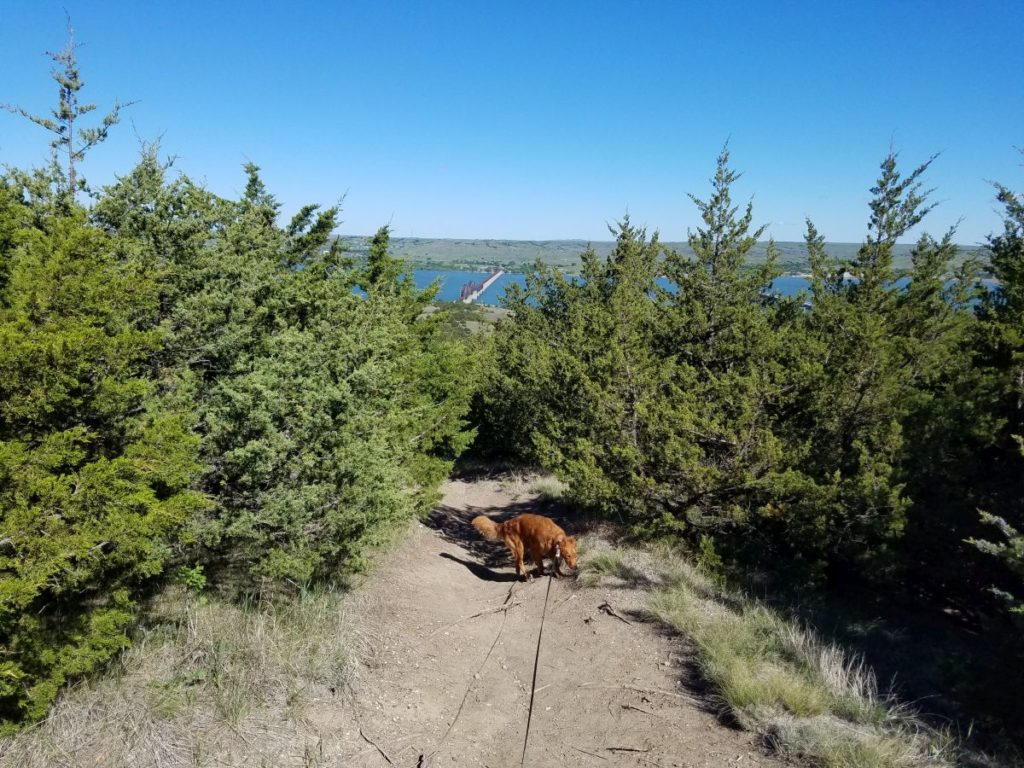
(452, 282)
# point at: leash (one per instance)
(536, 659)
(425, 758)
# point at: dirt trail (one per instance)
(444, 624)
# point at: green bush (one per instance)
(329, 404)
(713, 409)
(94, 467)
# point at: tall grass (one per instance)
(207, 682)
(524, 482)
(808, 698)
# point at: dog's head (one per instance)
(565, 548)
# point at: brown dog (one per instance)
(534, 535)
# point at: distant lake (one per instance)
(452, 282)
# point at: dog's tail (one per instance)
(487, 527)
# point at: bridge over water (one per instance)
(472, 290)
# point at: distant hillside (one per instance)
(517, 255)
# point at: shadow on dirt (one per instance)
(456, 526)
(482, 572)
(693, 682)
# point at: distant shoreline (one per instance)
(583, 244)
(517, 256)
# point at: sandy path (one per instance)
(609, 693)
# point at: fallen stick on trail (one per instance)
(592, 754)
(499, 609)
(658, 691)
(607, 608)
(374, 744)
(640, 709)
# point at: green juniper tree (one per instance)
(95, 467)
(327, 416)
(95, 462)
(383, 271)
(654, 403)
(877, 357)
(606, 411)
(1002, 313)
(574, 378)
(722, 330)
(999, 356)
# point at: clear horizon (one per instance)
(459, 121)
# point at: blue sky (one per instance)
(550, 119)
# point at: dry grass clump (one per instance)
(208, 682)
(598, 566)
(549, 488)
(517, 482)
(601, 564)
(807, 698)
(522, 483)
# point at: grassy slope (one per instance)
(206, 682)
(807, 698)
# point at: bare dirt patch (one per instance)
(446, 645)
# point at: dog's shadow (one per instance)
(491, 558)
(480, 571)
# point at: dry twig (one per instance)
(592, 754)
(505, 607)
(375, 745)
(640, 709)
(658, 691)
(607, 608)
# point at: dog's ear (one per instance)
(560, 539)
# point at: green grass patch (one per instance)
(603, 565)
(806, 697)
(598, 566)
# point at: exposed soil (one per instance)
(445, 643)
